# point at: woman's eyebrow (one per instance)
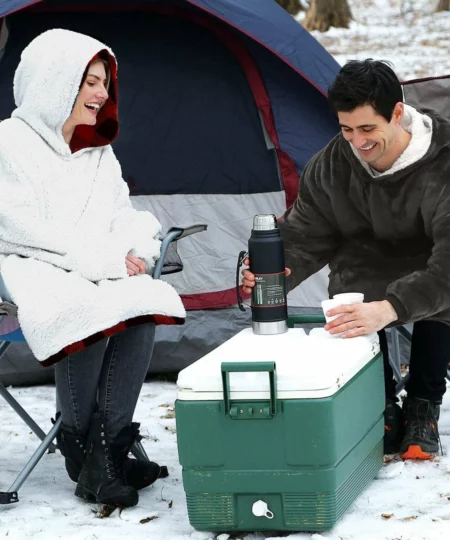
(96, 76)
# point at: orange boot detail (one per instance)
(415, 452)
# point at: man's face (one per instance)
(375, 139)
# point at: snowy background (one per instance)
(407, 501)
(405, 32)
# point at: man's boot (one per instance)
(421, 438)
(393, 427)
(101, 479)
(138, 473)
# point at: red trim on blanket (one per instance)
(116, 329)
(288, 170)
(219, 299)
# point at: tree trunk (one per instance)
(291, 6)
(444, 5)
(322, 14)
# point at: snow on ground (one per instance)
(416, 496)
(413, 497)
(405, 32)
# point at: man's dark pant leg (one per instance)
(430, 356)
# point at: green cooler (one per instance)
(280, 432)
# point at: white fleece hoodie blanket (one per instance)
(66, 220)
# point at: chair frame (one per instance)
(12, 495)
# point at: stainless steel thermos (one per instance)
(266, 253)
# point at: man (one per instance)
(375, 205)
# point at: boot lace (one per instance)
(114, 465)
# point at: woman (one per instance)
(75, 257)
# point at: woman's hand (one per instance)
(135, 266)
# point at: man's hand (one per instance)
(248, 279)
(359, 319)
(135, 266)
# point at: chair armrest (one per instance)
(187, 231)
(174, 233)
(7, 308)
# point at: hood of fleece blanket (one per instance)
(46, 85)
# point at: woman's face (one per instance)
(91, 97)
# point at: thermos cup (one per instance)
(266, 253)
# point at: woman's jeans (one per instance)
(107, 378)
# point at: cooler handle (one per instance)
(314, 318)
(247, 367)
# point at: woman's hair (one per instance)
(366, 82)
(107, 71)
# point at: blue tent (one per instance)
(222, 103)
(295, 68)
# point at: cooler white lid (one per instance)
(311, 366)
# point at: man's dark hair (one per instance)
(366, 82)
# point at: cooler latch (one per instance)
(250, 410)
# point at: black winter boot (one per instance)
(138, 473)
(421, 439)
(101, 478)
(73, 448)
(393, 427)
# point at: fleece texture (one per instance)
(386, 236)
(66, 220)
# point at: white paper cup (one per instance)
(330, 304)
(350, 298)
(340, 300)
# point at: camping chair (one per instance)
(394, 356)
(169, 262)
